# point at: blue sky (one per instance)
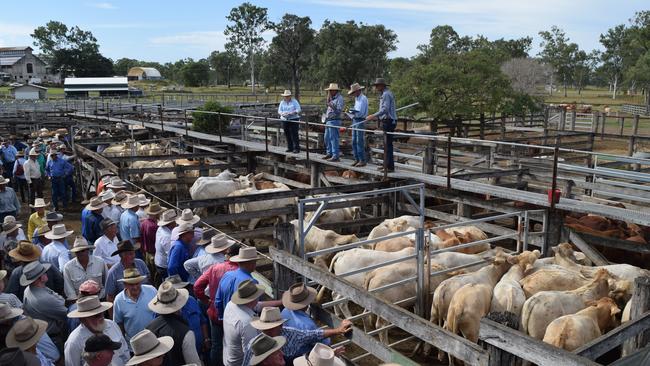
(167, 31)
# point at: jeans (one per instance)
(358, 146)
(291, 134)
(8, 170)
(36, 189)
(59, 193)
(69, 183)
(389, 126)
(21, 185)
(161, 274)
(216, 335)
(332, 137)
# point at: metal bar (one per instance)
(372, 193)
(462, 266)
(476, 221)
(394, 284)
(315, 217)
(359, 243)
(467, 245)
(378, 265)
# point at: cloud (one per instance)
(204, 40)
(103, 5)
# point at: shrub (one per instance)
(211, 123)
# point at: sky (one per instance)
(166, 31)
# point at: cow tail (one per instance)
(526, 313)
(321, 292)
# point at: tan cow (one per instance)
(575, 330)
(395, 244)
(319, 239)
(469, 304)
(552, 278)
(508, 294)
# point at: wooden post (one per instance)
(602, 127)
(573, 120)
(562, 119)
(640, 303)
(545, 125)
(427, 162)
(503, 127)
(621, 125)
(315, 174)
(554, 226)
(482, 126)
(635, 130)
(285, 240)
(499, 357)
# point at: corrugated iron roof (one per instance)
(14, 48)
(150, 71)
(9, 61)
(28, 85)
(97, 81)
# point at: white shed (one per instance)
(29, 91)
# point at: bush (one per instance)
(211, 123)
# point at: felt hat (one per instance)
(206, 236)
(185, 227)
(120, 197)
(355, 87)
(169, 299)
(39, 202)
(245, 255)
(7, 312)
(154, 209)
(107, 195)
(188, 217)
(219, 243)
(320, 355)
(11, 356)
(247, 291)
(263, 346)
(333, 86)
(287, 93)
(53, 216)
(42, 230)
(25, 251)
(106, 223)
(88, 306)
(80, 243)
(380, 81)
(147, 346)
(116, 183)
(58, 232)
(298, 296)
(101, 342)
(9, 219)
(125, 246)
(33, 271)
(177, 281)
(143, 200)
(132, 276)
(96, 203)
(167, 217)
(4, 181)
(130, 202)
(34, 152)
(269, 319)
(10, 227)
(25, 333)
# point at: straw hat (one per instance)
(185, 228)
(298, 296)
(144, 201)
(320, 355)
(88, 306)
(245, 255)
(187, 216)
(333, 86)
(263, 346)
(25, 251)
(96, 203)
(287, 93)
(167, 217)
(132, 276)
(116, 183)
(119, 198)
(125, 246)
(53, 216)
(177, 281)
(34, 152)
(247, 291)
(269, 319)
(15, 357)
(130, 202)
(355, 87)
(33, 271)
(219, 243)
(10, 227)
(206, 236)
(80, 243)
(26, 333)
(380, 81)
(101, 342)
(38, 203)
(107, 195)
(154, 209)
(147, 346)
(169, 299)
(4, 181)
(58, 232)
(7, 312)
(9, 219)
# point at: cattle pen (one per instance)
(505, 188)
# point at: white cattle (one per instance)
(261, 205)
(508, 294)
(216, 187)
(336, 215)
(319, 239)
(396, 225)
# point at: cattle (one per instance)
(396, 225)
(337, 215)
(454, 259)
(462, 235)
(552, 278)
(218, 187)
(319, 239)
(394, 244)
(350, 174)
(470, 303)
(129, 147)
(261, 205)
(574, 330)
(544, 307)
(508, 294)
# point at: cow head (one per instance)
(606, 311)
(525, 260)
(620, 290)
(565, 250)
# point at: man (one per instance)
(388, 118)
(213, 253)
(7, 297)
(333, 121)
(8, 152)
(289, 111)
(320, 355)
(144, 203)
(9, 204)
(117, 185)
(52, 252)
(69, 179)
(8, 318)
(149, 350)
(210, 279)
(91, 217)
(187, 217)
(116, 206)
(129, 221)
(106, 245)
(90, 312)
(39, 238)
(359, 114)
(83, 267)
(37, 218)
(130, 309)
(166, 224)
(168, 303)
(10, 237)
(14, 356)
(88, 288)
(33, 175)
(180, 251)
(99, 350)
(148, 229)
(43, 303)
(299, 341)
(19, 175)
(126, 251)
(237, 316)
(195, 317)
(57, 169)
(23, 254)
(107, 197)
(266, 351)
(25, 334)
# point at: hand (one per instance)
(339, 351)
(207, 343)
(344, 327)
(371, 117)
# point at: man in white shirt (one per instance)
(163, 241)
(53, 251)
(107, 243)
(237, 330)
(83, 267)
(33, 175)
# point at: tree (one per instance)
(226, 63)
(584, 65)
(248, 22)
(211, 122)
(273, 72)
(72, 51)
(613, 56)
(195, 73)
(641, 73)
(558, 52)
(527, 75)
(292, 45)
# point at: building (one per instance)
(29, 91)
(143, 73)
(104, 86)
(18, 64)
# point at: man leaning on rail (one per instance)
(388, 118)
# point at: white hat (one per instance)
(169, 299)
(80, 243)
(88, 306)
(287, 93)
(355, 87)
(245, 255)
(333, 86)
(39, 202)
(188, 217)
(219, 243)
(107, 194)
(58, 232)
(143, 200)
(147, 346)
(320, 355)
(132, 201)
(167, 217)
(96, 203)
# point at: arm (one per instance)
(72, 353)
(189, 349)
(173, 262)
(343, 328)
(28, 177)
(16, 204)
(192, 267)
(68, 288)
(200, 285)
(383, 108)
(14, 169)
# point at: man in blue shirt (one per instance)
(129, 221)
(388, 118)
(359, 113)
(130, 308)
(196, 319)
(9, 204)
(57, 169)
(289, 111)
(333, 121)
(296, 300)
(9, 153)
(91, 217)
(126, 251)
(180, 251)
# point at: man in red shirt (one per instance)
(211, 277)
(148, 228)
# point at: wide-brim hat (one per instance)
(169, 299)
(333, 86)
(116, 183)
(8, 312)
(380, 81)
(107, 195)
(263, 346)
(25, 251)
(206, 236)
(147, 346)
(177, 281)
(125, 246)
(132, 276)
(320, 355)
(34, 152)
(25, 333)
(188, 217)
(298, 296)
(119, 198)
(287, 93)
(89, 306)
(4, 181)
(245, 255)
(168, 216)
(53, 216)
(132, 201)
(33, 271)
(154, 209)
(39, 202)
(355, 87)
(58, 232)
(247, 291)
(96, 203)
(10, 227)
(80, 243)
(219, 243)
(143, 200)
(269, 319)
(185, 227)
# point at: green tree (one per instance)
(122, 66)
(211, 122)
(227, 64)
(583, 67)
(248, 22)
(613, 56)
(273, 72)
(196, 73)
(292, 45)
(558, 52)
(640, 72)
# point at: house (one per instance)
(18, 64)
(104, 86)
(29, 91)
(143, 73)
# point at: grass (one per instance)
(598, 97)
